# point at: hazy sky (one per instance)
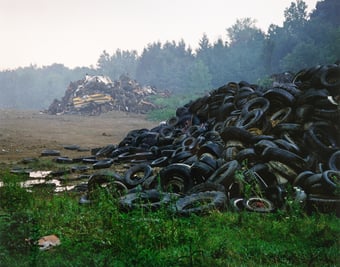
(76, 32)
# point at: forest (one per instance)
(249, 54)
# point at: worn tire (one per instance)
(131, 176)
(149, 199)
(200, 203)
(176, 178)
(258, 204)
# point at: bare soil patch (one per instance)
(27, 133)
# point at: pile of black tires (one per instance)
(242, 147)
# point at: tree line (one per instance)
(247, 53)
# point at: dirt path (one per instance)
(27, 133)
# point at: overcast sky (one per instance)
(76, 32)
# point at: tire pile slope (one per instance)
(241, 147)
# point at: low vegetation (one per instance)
(168, 106)
(99, 234)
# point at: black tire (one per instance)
(242, 135)
(98, 180)
(289, 158)
(50, 152)
(334, 161)
(212, 148)
(247, 154)
(160, 162)
(71, 147)
(201, 171)
(180, 154)
(105, 151)
(293, 128)
(80, 168)
(279, 97)
(262, 144)
(331, 181)
(64, 160)
(173, 121)
(224, 110)
(282, 169)
(149, 199)
(150, 183)
(117, 189)
(89, 160)
(102, 164)
(225, 174)
(251, 119)
(166, 132)
(331, 114)
(189, 143)
(256, 103)
(200, 203)
(292, 147)
(322, 137)
(105, 182)
(280, 116)
(176, 178)
(207, 186)
(132, 177)
(311, 182)
(323, 204)
(230, 153)
(236, 133)
(304, 112)
(29, 160)
(209, 160)
(301, 178)
(330, 78)
(236, 204)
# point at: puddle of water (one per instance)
(30, 183)
(39, 174)
(38, 178)
(59, 189)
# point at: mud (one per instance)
(27, 133)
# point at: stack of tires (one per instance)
(242, 147)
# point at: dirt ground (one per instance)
(27, 133)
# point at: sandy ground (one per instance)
(27, 133)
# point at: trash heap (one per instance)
(94, 95)
(241, 147)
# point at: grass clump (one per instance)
(99, 234)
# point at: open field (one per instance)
(27, 133)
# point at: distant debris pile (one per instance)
(94, 95)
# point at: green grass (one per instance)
(168, 105)
(100, 234)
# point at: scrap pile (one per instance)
(241, 147)
(94, 95)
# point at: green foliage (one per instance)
(35, 88)
(121, 62)
(99, 234)
(12, 196)
(168, 106)
(165, 66)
